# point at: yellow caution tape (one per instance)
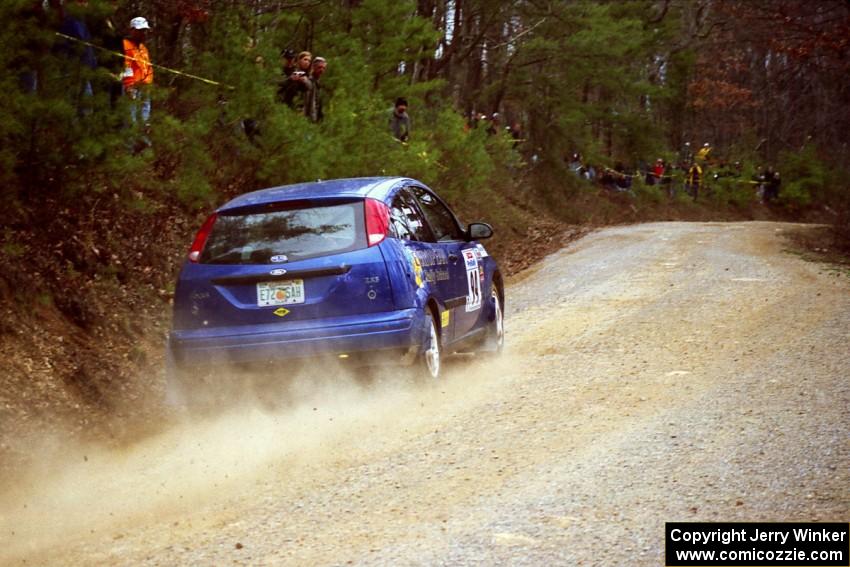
(154, 65)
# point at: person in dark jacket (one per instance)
(295, 87)
(287, 59)
(400, 120)
(313, 107)
(772, 183)
(81, 60)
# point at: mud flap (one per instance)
(419, 336)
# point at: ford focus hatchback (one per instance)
(374, 270)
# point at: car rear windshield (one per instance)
(285, 235)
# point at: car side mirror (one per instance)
(478, 231)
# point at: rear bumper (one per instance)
(394, 330)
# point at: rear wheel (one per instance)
(430, 362)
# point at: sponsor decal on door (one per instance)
(473, 296)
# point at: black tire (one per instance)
(494, 344)
(429, 364)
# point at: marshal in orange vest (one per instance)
(137, 65)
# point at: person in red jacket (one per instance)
(138, 72)
(658, 170)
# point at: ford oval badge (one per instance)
(278, 272)
(279, 258)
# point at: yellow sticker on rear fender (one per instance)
(445, 317)
(415, 266)
(417, 270)
(281, 311)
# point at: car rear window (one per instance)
(285, 235)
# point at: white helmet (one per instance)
(139, 24)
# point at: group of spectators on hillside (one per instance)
(691, 173)
(493, 124)
(301, 86)
(105, 56)
(122, 55)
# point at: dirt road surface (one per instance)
(662, 372)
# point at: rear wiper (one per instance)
(232, 258)
(287, 275)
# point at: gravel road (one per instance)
(660, 372)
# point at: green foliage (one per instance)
(593, 94)
(734, 191)
(9, 245)
(654, 194)
(607, 79)
(45, 299)
(804, 177)
(386, 34)
(465, 166)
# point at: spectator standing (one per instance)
(657, 172)
(661, 175)
(759, 179)
(772, 183)
(575, 163)
(138, 72)
(686, 156)
(693, 180)
(515, 130)
(287, 59)
(81, 59)
(296, 86)
(400, 120)
(623, 180)
(659, 169)
(313, 108)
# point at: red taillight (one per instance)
(201, 238)
(377, 221)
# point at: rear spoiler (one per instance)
(285, 205)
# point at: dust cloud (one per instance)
(196, 465)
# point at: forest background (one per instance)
(95, 223)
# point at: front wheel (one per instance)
(494, 342)
(497, 328)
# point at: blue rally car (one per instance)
(372, 269)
